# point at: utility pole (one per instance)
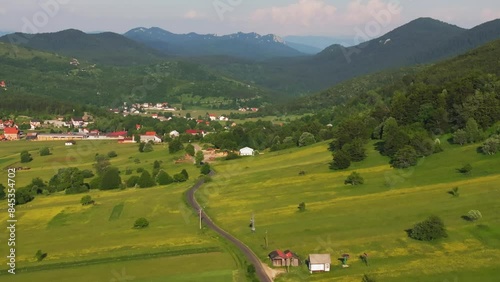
(199, 213)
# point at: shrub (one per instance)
(430, 229)
(87, 173)
(205, 169)
(474, 215)
(405, 157)
(180, 177)
(26, 157)
(354, 179)
(132, 181)
(145, 180)
(455, 192)
(163, 178)
(86, 200)
(40, 255)
(112, 154)
(137, 161)
(111, 179)
(465, 170)
(128, 171)
(148, 148)
(139, 170)
(141, 223)
(302, 207)
(45, 151)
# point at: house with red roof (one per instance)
(2, 84)
(195, 132)
(11, 133)
(150, 136)
(286, 258)
(117, 135)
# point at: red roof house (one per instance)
(11, 133)
(195, 132)
(118, 134)
(2, 84)
(151, 133)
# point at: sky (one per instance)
(282, 17)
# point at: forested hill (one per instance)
(439, 96)
(28, 71)
(105, 48)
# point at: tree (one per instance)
(111, 179)
(356, 150)
(474, 134)
(179, 177)
(492, 145)
(460, 137)
(163, 178)
(474, 215)
(112, 154)
(102, 164)
(141, 223)
(190, 149)
(302, 207)
(86, 200)
(199, 157)
(156, 165)
(205, 169)
(175, 146)
(141, 146)
(145, 180)
(340, 161)
(430, 229)
(45, 151)
(185, 173)
(148, 147)
(306, 139)
(40, 255)
(132, 181)
(23, 196)
(26, 157)
(405, 157)
(354, 179)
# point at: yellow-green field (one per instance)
(370, 218)
(98, 243)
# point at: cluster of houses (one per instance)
(138, 108)
(315, 262)
(248, 109)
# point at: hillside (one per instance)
(417, 42)
(360, 91)
(241, 45)
(105, 48)
(38, 73)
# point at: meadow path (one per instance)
(252, 258)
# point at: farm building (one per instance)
(279, 258)
(69, 143)
(247, 151)
(61, 136)
(319, 262)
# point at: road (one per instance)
(252, 258)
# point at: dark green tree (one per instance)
(141, 146)
(26, 157)
(199, 157)
(111, 179)
(356, 150)
(205, 169)
(190, 149)
(132, 181)
(141, 223)
(175, 146)
(45, 151)
(185, 173)
(163, 178)
(430, 229)
(405, 157)
(148, 147)
(340, 161)
(302, 207)
(112, 154)
(86, 200)
(145, 180)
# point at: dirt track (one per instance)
(252, 258)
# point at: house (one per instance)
(150, 136)
(127, 140)
(35, 123)
(247, 151)
(77, 122)
(61, 136)
(212, 117)
(117, 135)
(319, 262)
(174, 134)
(154, 115)
(11, 133)
(69, 143)
(195, 132)
(2, 84)
(286, 258)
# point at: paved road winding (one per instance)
(259, 269)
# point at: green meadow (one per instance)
(97, 242)
(369, 218)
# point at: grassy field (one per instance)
(98, 243)
(370, 218)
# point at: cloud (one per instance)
(3, 11)
(489, 14)
(305, 13)
(192, 14)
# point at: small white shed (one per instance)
(319, 262)
(247, 151)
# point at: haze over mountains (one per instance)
(267, 60)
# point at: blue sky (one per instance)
(281, 17)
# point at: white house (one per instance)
(174, 134)
(69, 143)
(247, 151)
(319, 262)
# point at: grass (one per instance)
(369, 218)
(88, 243)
